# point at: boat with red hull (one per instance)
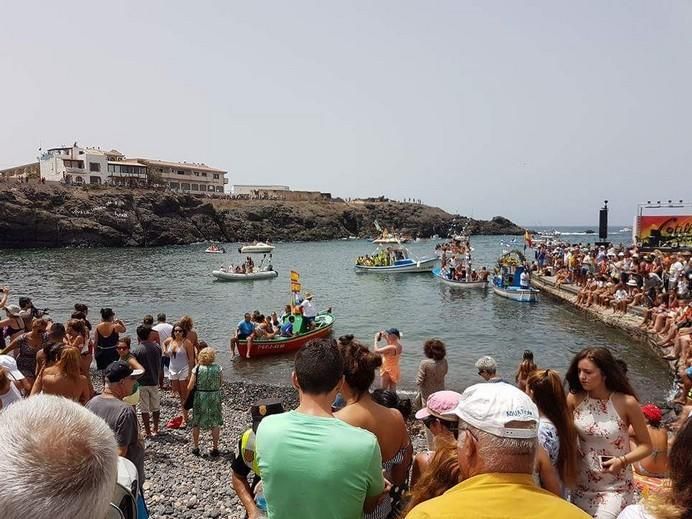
(275, 346)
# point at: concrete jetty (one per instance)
(629, 323)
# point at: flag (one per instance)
(295, 276)
(295, 287)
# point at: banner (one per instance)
(295, 276)
(665, 231)
(295, 287)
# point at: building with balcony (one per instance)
(187, 176)
(77, 165)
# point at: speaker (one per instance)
(603, 224)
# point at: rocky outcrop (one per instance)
(57, 216)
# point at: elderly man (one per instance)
(66, 467)
(487, 369)
(496, 450)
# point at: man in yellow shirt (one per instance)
(496, 448)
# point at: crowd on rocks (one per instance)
(656, 285)
(502, 448)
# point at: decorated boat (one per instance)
(257, 247)
(507, 279)
(324, 323)
(444, 278)
(394, 258)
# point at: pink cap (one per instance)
(441, 404)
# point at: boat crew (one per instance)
(524, 279)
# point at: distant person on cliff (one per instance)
(390, 372)
(314, 465)
(107, 333)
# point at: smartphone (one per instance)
(603, 459)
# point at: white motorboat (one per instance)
(394, 259)
(458, 284)
(258, 247)
(215, 250)
(227, 275)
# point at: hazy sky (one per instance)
(532, 110)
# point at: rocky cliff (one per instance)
(57, 216)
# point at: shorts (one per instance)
(104, 356)
(242, 336)
(149, 399)
(182, 374)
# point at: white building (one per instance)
(77, 165)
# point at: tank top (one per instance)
(106, 343)
(178, 360)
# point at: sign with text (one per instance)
(665, 232)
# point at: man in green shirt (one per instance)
(312, 464)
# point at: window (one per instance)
(195, 187)
(196, 173)
(185, 187)
(174, 185)
(95, 167)
(204, 174)
(111, 168)
(181, 172)
(210, 188)
(216, 176)
(94, 180)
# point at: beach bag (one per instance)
(190, 400)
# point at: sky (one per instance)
(536, 111)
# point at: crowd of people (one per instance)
(541, 445)
(658, 285)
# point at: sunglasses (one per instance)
(122, 348)
(481, 371)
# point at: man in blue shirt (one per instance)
(244, 330)
(287, 327)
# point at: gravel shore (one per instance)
(179, 485)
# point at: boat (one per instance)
(589, 231)
(324, 323)
(228, 275)
(387, 237)
(441, 275)
(215, 249)
(394, 258)
(506, 282)
(256, 247)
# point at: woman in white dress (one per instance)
(182, 354)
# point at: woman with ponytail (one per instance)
(386, 424)
(556, 432)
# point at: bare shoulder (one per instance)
(574, 399)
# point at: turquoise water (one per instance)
(177, 280)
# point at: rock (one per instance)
(60, 216)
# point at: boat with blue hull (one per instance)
(394, 258)
(511, 278)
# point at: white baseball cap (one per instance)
(8, 362)
(491, 406)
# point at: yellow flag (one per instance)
(295, 287)
(295, 276)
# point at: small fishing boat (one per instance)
(324, 323)
(258, 247)
(228, 275)
(387, 237)
(394, 258)
(443, 277)
(215, 249)
(507, 279)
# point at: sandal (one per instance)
(214, 453)
(195, 451)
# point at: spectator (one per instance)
(245, 462)
(165, 330)
(182, 358)
(497, 445)
(20, 382)
(487, 369)
(65, 469)
(107, 332)
(526, 367)
(431, 370)
(13, 326)
(314, 465)
(64, 378)
(676, 500)
(29, 344)
(148, 354)
(206, 410)
(9, 394)
(390, 372)
(655, 465)
(604, 406)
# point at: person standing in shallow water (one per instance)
(604, 406)
(390, 371)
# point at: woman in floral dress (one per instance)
(604, 407)
(206, 410)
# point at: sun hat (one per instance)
(10, 364)
(652, 412)
(440, 405)
(13, 310)
(493, 407)
(308, 296)
(119, 369)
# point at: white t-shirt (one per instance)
(309, 309)
(635, 512)
(10, 397)
(165, 330)
(524, 279)
(675, 270)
